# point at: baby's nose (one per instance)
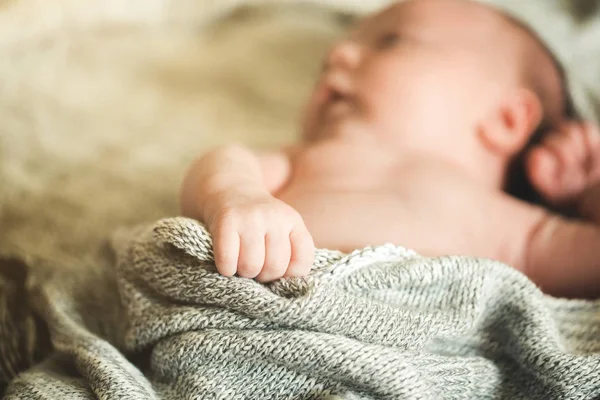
(346, 54)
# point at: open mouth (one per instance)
(335, 98)
(337, 104)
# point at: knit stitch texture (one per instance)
(380, 323)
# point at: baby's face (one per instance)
(416, 73)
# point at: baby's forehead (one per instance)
(448, 19)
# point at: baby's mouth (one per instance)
(339, 105)
(336, 103)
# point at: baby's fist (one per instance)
(258, 236)
(566, 163)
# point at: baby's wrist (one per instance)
(589, 202)
(228, 197)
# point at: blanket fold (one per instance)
(380, 323)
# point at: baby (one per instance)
(410, 137)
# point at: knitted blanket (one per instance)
(380, 323)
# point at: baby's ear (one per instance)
(508, 128)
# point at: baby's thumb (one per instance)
(543, 170)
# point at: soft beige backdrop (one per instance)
(104, 102)
(100, 114)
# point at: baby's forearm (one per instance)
(589, 204)
(564, 258)
(219, 173)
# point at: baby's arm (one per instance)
(589, 204)
(255, 235)
(560, 255)
(218, 172)
(564, 257)
(231, 167)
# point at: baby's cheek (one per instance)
(309, 119)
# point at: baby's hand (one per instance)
(566, 164)
(258, 236)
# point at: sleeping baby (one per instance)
(413, 134)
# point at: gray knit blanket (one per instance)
(380, 323)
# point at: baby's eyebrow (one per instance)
(356, 31)
(365, 26)
(380, 31)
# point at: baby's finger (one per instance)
(542, 168)
(575, 141)
(252, 254)
(592, 139)
(226, 246)
(277, 257)
(303, 253)
(592, 136)
(561, 146)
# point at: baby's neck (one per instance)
(468, 157)
(483, 172)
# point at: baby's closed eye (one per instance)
(387, 40)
